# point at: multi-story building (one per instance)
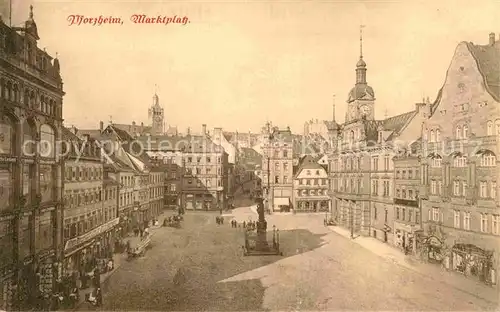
(459, 167)
(277, 168)
(173, 172)
(311, 187)
(361, 167)
(31, 92)
(90, 216)
(205, 168)
(156, 189)
(406, 215)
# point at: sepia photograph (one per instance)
(266, 155)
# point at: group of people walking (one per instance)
(219, 220)
(250, 225)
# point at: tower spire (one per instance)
(361, 41)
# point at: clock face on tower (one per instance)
(365, 110)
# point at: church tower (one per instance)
(361, 99)
(156, 116)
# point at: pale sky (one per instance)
(236, 65)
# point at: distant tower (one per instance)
(156, 116)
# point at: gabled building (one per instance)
(311, 188)
(459, 167)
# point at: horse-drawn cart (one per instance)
(138, 248)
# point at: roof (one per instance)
(133, 128)
(80, 147)
(360, 91)
(308, 165)
(488, 61)
(94, 133)
(394, 124)
(188, 143)
(172, 131)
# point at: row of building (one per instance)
(424, 181)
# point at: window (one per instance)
(465, 134)
(43, 234)
(489, 127)
(488, 159)
(493, 190)
(438, 135)
(466, 224)
(433, 136)
(456, 188)
(198, 159)
(433, 187)
(276, 179)
(285, 154)
(209, 159)
(190, 159)
(7, 241)
(47, 182)
(464, 188)
(484, 222)
(219, 182)
(198, 183)
(495, 220)
(219, 160)
(398, 193)
(285, 167)
(198, 170)
(386, 163)
(440, 187)
(285, 179)
(460, 161)
(483, 189)
(458, 132)
(375, 163)
(173, 187)
(375, 213)
(410, 194)
(456, 219)
(386, 188)
(436, 161)
(435, 214)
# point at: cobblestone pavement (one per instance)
(320, 270)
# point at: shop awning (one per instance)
(282, 201)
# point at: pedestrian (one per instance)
(244, 224)
(98, 297)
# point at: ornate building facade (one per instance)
(157, 117)
(360, 163)
(30, 167)
(459, 169)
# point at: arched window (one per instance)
(15, 93)
(29, 144)
(436, 161)
(7, 139)
(458, 132)
(465, 130)
(497, 127)
(47, 141)
(460, 161)
(489, 127)
(488, 158)
(438, 135)
(26, 98)
(351, 136)
(32, 99)
(433, 136)
(8, 91)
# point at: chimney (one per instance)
(142, 128)
(188, 131)
(492, 39)
(204, 129)
(101, 125)
(249, 139)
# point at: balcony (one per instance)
(406, 202)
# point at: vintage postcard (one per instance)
(298, 155)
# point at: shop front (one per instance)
(83, 253)
(282, 204)
(474, 262)
(404, 237)
(312, 205)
